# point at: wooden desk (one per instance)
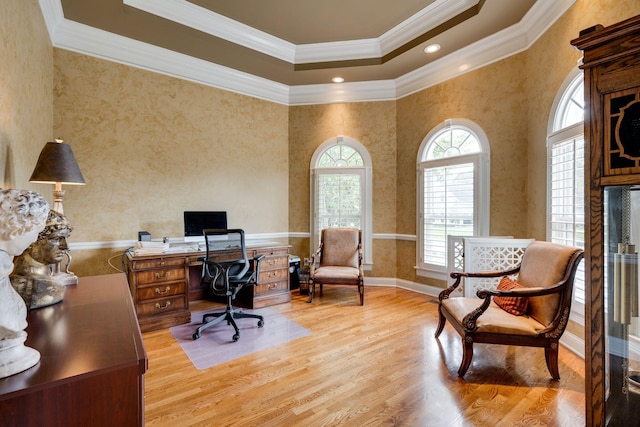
(91, 371)
(163, 285)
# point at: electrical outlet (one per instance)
(307, 262)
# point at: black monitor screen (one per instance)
(195, 222)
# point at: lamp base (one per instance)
(65, 278)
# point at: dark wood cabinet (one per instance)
(159, 286)
(611, 64)
(91, 371)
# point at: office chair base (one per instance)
(229, 315)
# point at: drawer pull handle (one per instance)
(163, 306)
(163, 276)
(161, 292)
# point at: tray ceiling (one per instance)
(293, 48)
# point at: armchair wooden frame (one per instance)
(472, 330)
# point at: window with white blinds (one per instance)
(453, 190)
(448, 208)
(567, 200)
(565, 165)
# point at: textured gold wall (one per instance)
(549, 61)
(373, 124)
(492, 97)
(26, 92)
(152, 146)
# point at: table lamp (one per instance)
(57, 165)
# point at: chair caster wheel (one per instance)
(236, 337)
(196, 336)
(260, 323)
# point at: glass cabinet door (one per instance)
(622, 317)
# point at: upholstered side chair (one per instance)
(338, 260)
(532, 310)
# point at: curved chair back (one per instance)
(545, 264)
(340, 247)
(233, 241)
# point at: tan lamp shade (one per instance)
(57, 164)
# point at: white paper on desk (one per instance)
(150, 248)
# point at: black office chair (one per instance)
(226, 278)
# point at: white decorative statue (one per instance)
(23, 214)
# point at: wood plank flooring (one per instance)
(372, 365)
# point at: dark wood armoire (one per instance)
(611, 64)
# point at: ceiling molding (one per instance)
(202, 19)
(101, 44)
(70, 35)
(380, 90)
(505, 43)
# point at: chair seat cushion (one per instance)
(494, 320)
(337, 275)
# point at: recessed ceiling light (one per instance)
(432, 48)
(337, 79)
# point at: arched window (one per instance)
(565, 170)
(341, 190)
(453, 191)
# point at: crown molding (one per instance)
(202, 19)
(70, 35)
(217, 25)
(101, 44)
(379, 90)
(503, 44)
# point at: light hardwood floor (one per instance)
(375, 365)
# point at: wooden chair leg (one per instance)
(441, 323)
(361, 292)
(312, 291)
(551, 357)
(467, 355)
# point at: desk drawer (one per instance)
(161, 290)
(273, 275)
(162, 305)
(274, 262)
(145, 264)
(161, 275)
(273, 287)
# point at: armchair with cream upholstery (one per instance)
(338, 260)
(531, 311)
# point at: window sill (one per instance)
(432, 274)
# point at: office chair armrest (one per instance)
(256, 262)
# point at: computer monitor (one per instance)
(196, 221)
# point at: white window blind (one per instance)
(567, 201)
(448, 208)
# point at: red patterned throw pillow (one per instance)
(514, 305)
